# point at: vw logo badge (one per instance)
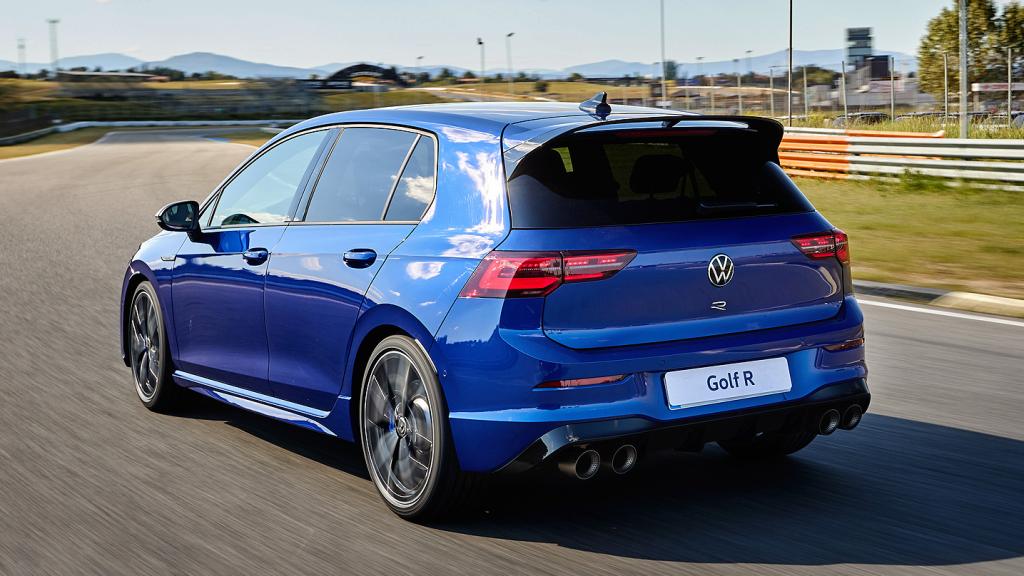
(720, 270)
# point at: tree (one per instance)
(468, 75)
(575, 77)
(985, 37)
(1013, 34)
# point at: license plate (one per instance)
(713, 384)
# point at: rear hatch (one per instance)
(724, 242)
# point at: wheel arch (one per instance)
(136, 274)
(375, 325)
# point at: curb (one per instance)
(901, 291)
(968, 301)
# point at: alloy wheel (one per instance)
(398, 428)
(145, 345)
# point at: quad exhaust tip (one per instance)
(851, 417)
(584, 466)
(829, 422)
(624, 459)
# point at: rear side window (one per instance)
(415, 189)
(644, 177)
(359, 175)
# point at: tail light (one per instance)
(825, 245)
(535, 274)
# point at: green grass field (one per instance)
(53, 142)
(925, 233)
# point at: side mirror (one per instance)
(179, 216)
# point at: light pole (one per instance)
(21, 56)
(945, 88)
(771, 86)
(892, 88)
(53, 44)
(805, 92)
(664, 65)
(846, 110)
(508, 56)
(1009, 86)
(789, 89)
(964, 129)
(739, 83)
(480, 43)
(700, 74)
(419, 71)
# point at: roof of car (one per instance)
(489, 117)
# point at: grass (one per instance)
(340, 101)
(252, 137)
(83, 136)
(557, 90)
(922, 232)
(53, 142)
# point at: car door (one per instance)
(219, 273)
(374, 187)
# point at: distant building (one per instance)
(859, 46)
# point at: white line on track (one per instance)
(938, 312)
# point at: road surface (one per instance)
(90, 482)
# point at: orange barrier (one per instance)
(826, 154)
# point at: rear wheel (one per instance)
(405, 437)
(769, 444)
(148, 354)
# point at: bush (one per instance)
(540, 86)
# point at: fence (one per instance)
(852, 154)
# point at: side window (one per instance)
(359, 175)
(263, 191)
(415, 189)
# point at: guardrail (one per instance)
(838, 154)
(70, 126)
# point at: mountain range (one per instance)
(206, 61)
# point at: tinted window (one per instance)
(359, 175)
(415, 189)
(263, 191)
(636, 177)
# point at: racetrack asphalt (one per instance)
(91, 482)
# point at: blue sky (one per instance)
(548, 33)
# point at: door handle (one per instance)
(255, 256)
(359, 258)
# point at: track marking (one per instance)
(937, 312)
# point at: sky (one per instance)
(548, 33)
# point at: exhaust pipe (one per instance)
(829, 422)
(584, 466)
(624, 459)
(851, 417)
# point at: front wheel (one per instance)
(404, 432)
(147, 347)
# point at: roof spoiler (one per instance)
(769, 131)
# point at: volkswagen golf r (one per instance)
(465, 289)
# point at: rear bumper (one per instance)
(694, 432)
(490, 367)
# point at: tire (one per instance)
(405, 437)
(768, 445)
(149, 357)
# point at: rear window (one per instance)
(627, 177)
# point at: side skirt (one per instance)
(275, 408)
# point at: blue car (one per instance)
(478, 288)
